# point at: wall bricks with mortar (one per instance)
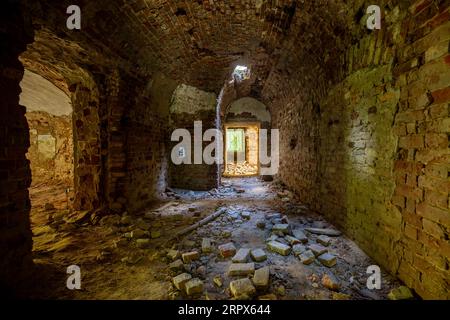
(372, 151)
(56, 163)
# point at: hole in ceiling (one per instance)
(180, 12)
(241, 73)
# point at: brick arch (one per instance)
(248, 109)
(22, 50)
(84, 94)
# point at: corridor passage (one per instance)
(225, 149)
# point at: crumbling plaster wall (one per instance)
(190, 104)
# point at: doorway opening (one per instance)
(241, 149)
(51, 154)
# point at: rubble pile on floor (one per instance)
(240, 169)
(248, 270)
(261, 245)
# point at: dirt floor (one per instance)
(114, 267)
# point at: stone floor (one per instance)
(141, 256)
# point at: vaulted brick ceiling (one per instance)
(199, 42)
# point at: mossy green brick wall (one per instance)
(357, 151)
(372, 149)
(384, 147)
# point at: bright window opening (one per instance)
(235, 140)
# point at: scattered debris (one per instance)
(327, 232)
(194, 286)
(77, 217)
(155, 234)
(138, 233)
(258, 255)
(331, 282)
(340, 296)
(201, 222)
(327, 259)
(307, 257)
(298, 249)
(142, 243)
(324, 240)
(176, 265)
(280, 290)
(173, 254)
(241, 269)
(281, 227)
(241, 256)
(317, 249)
(207, 245)
(190, 256)
(279, 248)
(218, 281)
(261, 224)
(227, 250)
(180, 280)
(291, 240)
(269, 296)
(400, 293)
(195, 260)
(242, 289)
(246, 215)
(261, 278)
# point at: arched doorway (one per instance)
(244, 119)
(83, 98)
(51, 151)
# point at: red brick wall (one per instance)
(422, 167)
(145, 124)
